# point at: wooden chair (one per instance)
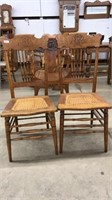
(48, 74)
(81, 112)
(27, 117)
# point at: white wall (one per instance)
(39, 8)
(37, 27)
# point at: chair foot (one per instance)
(61, 151)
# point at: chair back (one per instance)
(23, 51)
(35, 60)
(75, 56)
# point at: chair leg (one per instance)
(105, 130)
(36, 91)
(16, 122)
(54, 133)
(67, 88)
(92, 113)
(47, 120)
(46, 89)
(109, 69)
(8, 131)
(64, 88)
(61, 130)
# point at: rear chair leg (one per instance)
(61, 130)
(105, 130)
(8, 132)
(54, 132)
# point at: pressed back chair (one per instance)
(49, 73)
(27, 117)
(75, 55)
(81, 112)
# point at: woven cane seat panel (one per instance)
(83, 101)
(29, 104)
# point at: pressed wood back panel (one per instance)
(75, 56)
(28, 50)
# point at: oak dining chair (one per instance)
(48, 74)
(82, 110)
(26, 117)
